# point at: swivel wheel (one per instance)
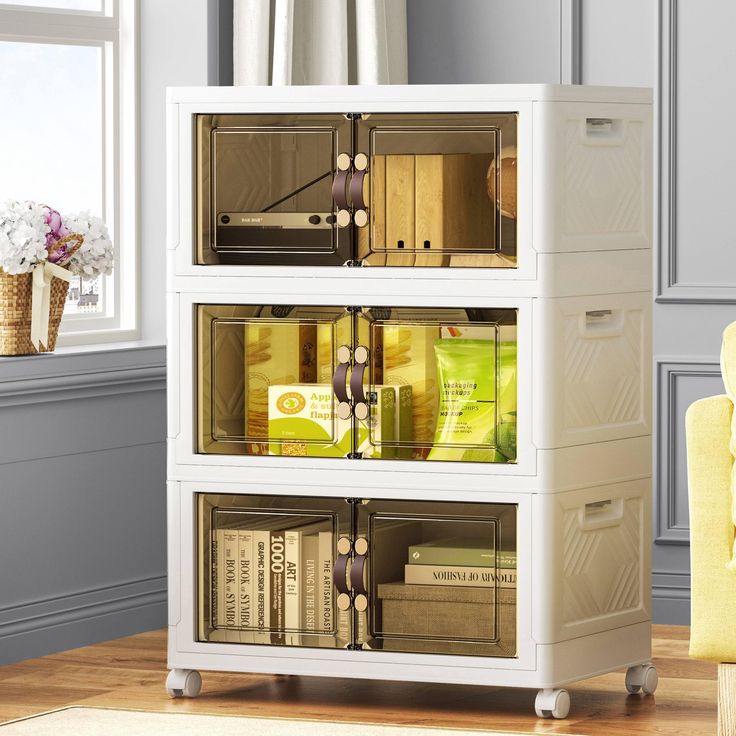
(551, 703)
(642, 677)
(183, 683)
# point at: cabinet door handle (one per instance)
(340, 182)
(340, 574)
(356, 189)
(339, 382)
(358, 568)
(357, 375)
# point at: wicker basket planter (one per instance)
(16, 297)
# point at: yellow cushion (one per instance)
(713, 586)
(728, 369)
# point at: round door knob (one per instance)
(343, 162)
(343, 218)
(344, 410)
(343, 354)
(361, 354)
(314, 219)
(343, 602)
(362, 412)
(360, 162)
(344, 545)
(361, 546)
(361, 602)
(360, 218)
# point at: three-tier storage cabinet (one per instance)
(409, 384)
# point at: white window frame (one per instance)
(114, 30)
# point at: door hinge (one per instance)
(354, 115)
(354, 310)
(355, 646)
(355, 456)
(352, 500)
(353, 264)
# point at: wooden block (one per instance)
(400, 204)
(429, 217)
(468, 212)
(726, 699)
(372, 244)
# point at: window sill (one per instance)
(84, 359)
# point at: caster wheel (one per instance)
(183, 683)
(643, 678)
(552, 703)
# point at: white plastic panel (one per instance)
(593, 177)
(592, 560)
(593, 368)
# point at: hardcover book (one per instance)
(471, 552)
(245, 584)
(476, 577)
(325, 623)
(292, 587)
(262, 585)
(310, 556)
(276, 569)
(228, 581)
(214, 586)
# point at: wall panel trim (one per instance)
(667, 371)
(671, 287)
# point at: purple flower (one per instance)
(56, 228)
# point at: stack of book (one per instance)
(450, 589)
(272, 582)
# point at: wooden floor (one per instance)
(129, 673)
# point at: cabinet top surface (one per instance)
(424, 94)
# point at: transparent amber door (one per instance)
(264, 380)
(264, 189)
(265, 570)
(440, 190)
(442, 384)
(439, 577)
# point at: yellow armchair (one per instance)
(711, 446)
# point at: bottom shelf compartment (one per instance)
(409, 576)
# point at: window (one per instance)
(68, 138)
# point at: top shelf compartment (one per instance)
(420, 190)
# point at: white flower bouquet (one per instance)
(40, 251)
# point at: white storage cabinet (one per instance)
(409, 384)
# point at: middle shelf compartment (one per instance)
(400, 383)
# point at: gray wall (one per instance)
(82, 483)
(82, 448)
(617, 42)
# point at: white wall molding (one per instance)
(39, 627)
(670, 440)
(64, 377)
(671, 597)
(68, 387)
(672, 284)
